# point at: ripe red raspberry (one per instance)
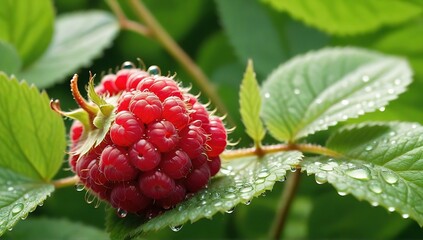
(144, 156)
(114, 164)
(146, 106)
(163, 135)
(144, 144)
(156, 185)
(126, 130)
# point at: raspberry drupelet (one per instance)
(143, 143)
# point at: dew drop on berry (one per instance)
(154, 70)
(121, 213)
(176, 228)
(128, 65)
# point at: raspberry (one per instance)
(163, 135)
(176, 164)
(144, 156)
(144, 144)
(156, 185)
(114, 163)
(127, 196)
(163, 87)
(198, 178)
(217, 141)
(175, 111)
(146, 106)
(126, 129)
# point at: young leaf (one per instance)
(381, 164)
(28, 26)
(349, 17)
(78, 39)
(313, 92)
(47, 228)
(250, 103)
(240, 181)
(9, 62)
(19, 196)
(32, 136)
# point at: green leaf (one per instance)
(9, 62)
(32, 136)
(47, 228)
(349, 17)
(28, 26)
(241, 18)
(250, 103)
(78, 39)
(240, 181)
(19, 196)
(381, 164)
(312, 92)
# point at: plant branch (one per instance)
(306, 148)
(285, 204)
(126, 23)
(66, 182)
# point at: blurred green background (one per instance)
(220, 36)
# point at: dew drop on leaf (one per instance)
(358, 173)
(342, 193)
(389, 177)
(248, 202)
(26, 196)
(230, 196)
(24, 216)
(10, 229)
(121, 213)
(218, 204)
(230, 210)
(40, 204)
(365, 78)
(246, 189)
(369, 148)
(10, 189)
(374, 204)
(263, 174)
(176, 228)
(17, 208)
(297, 91)
(326, 167)
(321, 177)
(391, 209)
(375, 187)
(405, 216)
(345, 102)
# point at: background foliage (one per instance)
(220, 36)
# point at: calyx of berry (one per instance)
(96, 114)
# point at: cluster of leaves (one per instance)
(378, 162)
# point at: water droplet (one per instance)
(393, 142)
(342, 193)
(321, 177)
(79, 187)
(293, 168)
(263, 174)
(248, 202)
(176, 228)
(382, 109)
(365, 78)
(389, 177)
(26, 196)
(405, 215)
(267, 95)
(358, 173)
(203, 202)
(392, 133)
(121, 213)
(391, 91)
(246, 189)
(370, 104)
(374, 204)
(297, 91)
(260, 180)
(154, 70)
(128, 65)
(318, 101)
(218, 204)
(231, 210)
(283, 179)
(414, 126)
(40, 204)
(375, 187)
(345, 102)
(326, 167)
(17, 208)
(10, 229)
(10, 189)
(391, 209)
(230, 196)
(369, 148)
(24, 216)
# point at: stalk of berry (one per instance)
(141, 142)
